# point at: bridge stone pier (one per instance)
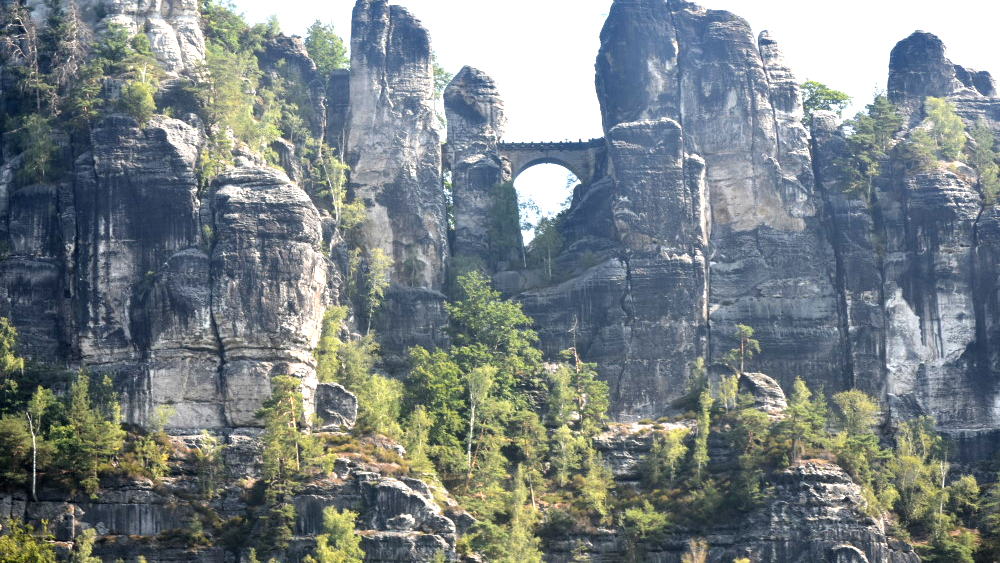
(580, 157)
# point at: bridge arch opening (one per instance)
(544, 188)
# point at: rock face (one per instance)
(916, 266)
(393, 144)
(400, 522)
(476, 123)
(767, 394)
(264, 224)
(172, 26)
(393, 147)
(188, 301)
(814, 514)
(711, 193)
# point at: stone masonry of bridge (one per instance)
(578, 157)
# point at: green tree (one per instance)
(641, 524)
(546, 245)
(576, 395)
(983, 157)
(380, 402)
(326, 352)
(729, 387)
(989, 524)
(10, 362)
(338, 543)
(947, 128)
(818, 96)
(594, 486)
(38, 159)
(748, 347)
(665, 457)
(490, 331)
(325, 48)
(283, 418)
(369, 276)
(136, 100)
(871, 137)
(83, 547)
(19, 544)
(479, 381)
(804, 422)
(15, 441)
(565, 454)
(209, 465)
(91, 435)
(699, 457)
(435, 382)
(36, 416)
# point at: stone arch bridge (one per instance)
(579, 157)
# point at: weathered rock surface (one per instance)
(173, 26)
(393, 146)
(767, 394)
(186, 301)
(400, 520)
(476, 123)
(711, 192)
(264, 224)
(336, 407)
(813, 515)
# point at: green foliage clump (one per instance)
(817, 96)
(325, 48)
(546, 245)
(39, 150)
(338, 543)
(19, 544)
(91, 433)
(748, 346)
(136, 100)
(804, 422)
(872, 134)
(983, 157)
(503, 232)
(369, 274)
(947, 129)
(490, 331)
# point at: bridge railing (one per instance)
(552, 146)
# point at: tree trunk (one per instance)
(34, 457)
(468, 446)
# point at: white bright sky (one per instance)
(542, 52)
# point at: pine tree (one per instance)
(91, 435)
(805, 420)
(325, 48)
(338, 543)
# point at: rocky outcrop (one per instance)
(173, 26)
(393, 147)
(710, 188)
(393, 143)
(475, 125)
(336, 407)
(814, 514)
(263, 225)
(767, 394)
(400, 521)
(187, 299)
